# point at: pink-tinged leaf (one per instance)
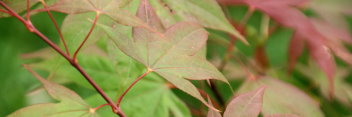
(295, 49)
(111, 8)
(282, 115)
(321, 54)
(177, 53)
(246, 105)
(280, 97)
(336, 38)
(70, 104)
(283, 12)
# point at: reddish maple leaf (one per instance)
(286, 13)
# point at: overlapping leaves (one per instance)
(177, 53)
(70, 104)
(286, 13)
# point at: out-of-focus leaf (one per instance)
(70, 104)
(332, 11)
(336, 38)
(183, 44)
(295, 49)
(207, 12)
(284, 12)
(280, 97)
(150, 98)
(282, 115)
(16, 5)
(246, 105)
(343, 90)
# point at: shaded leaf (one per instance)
(342, 89)
(207, 12)
(150, 98)
(70, 104)
(246, 105)
(280, 97)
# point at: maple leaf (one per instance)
(280, 97)
(70, 104)
(176, 54)
(208, 13)
(285, 13)
(244, 105)
(112, 8)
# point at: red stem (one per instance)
(57, 28)
(31, 28)
(86, 38)
(4, 11)
(128, 89)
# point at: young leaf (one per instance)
(182, 43)
(207, 12)
(281, 97)
(246, 105)
(70, 104)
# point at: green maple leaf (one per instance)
(152, 97)
(70, 104)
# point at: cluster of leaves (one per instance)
(168, 40)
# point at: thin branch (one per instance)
(57, 27)
(87, 36)
(246, 17)
(128, 89)
(4, 11)
(31, 28)
(228, 53)
(28, 15)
